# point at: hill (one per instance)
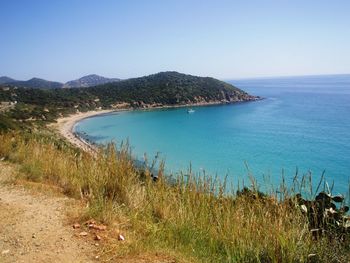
(6, 80)
(169, 88)
(163, 89)
(89, 81)
(37, 83)
(130, 209)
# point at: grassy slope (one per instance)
(185, 219)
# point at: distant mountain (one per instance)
(6, 80)
(89, 81)
(37, 83)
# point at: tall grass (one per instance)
(193, 217)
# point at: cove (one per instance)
(303, 123)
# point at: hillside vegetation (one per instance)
(37, 84)
(192, 219)
(158, 90)
(189, 218)
(89, 81)
(169, 88)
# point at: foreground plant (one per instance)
(192, 217)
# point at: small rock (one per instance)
(76, 226)
(97, 237)
(90, 222)
(303, 208)
(4, 252)
(121, 237)
(33, 236)
(83, 234)
(97, 227)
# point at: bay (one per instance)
(302, 124)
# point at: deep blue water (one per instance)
(303, 122)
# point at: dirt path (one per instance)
(33, 227)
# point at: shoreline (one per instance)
(65, 125)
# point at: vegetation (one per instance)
(89, 81)
(194, 219)
(39, 106)
(36, 83)
(168, 88)
(7, 123)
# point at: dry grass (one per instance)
(193, 218)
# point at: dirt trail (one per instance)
(33, 229)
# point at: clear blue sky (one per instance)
(66, 39)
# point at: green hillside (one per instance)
(167, 88)
(157, 90)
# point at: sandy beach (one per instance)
(65, 125)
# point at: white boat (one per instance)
(190, 111)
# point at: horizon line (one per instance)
(223, 79)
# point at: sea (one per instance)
(301, 127)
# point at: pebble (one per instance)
(83, 234)
(97, 227)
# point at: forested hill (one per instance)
(157, 90)
(89, 81)
(169, 88)
(37, 83)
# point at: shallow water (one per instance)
(303, 123)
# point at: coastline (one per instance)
(65, 125)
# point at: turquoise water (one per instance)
(303, 122)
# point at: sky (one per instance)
(66, 39)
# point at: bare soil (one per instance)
(34, 226)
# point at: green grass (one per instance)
(193, 218)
